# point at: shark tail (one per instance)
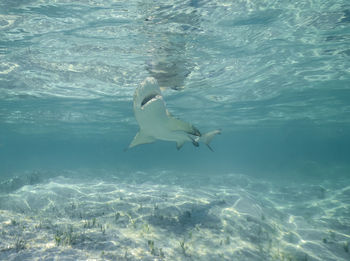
(207, 137)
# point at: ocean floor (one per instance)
(168, 216)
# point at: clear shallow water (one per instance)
(273, 75)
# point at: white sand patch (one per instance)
(116, 219)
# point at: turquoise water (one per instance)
(274, 76)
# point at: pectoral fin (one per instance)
(141, 138)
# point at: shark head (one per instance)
(149, 106)
(146, 93)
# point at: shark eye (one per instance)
(148, 98)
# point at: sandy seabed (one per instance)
(164, 216)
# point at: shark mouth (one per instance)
(150, 98)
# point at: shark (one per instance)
(157, 123)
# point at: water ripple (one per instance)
(227, 53)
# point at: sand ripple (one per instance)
(116, 219)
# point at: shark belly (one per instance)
(154, 122)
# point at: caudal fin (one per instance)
(207, 137)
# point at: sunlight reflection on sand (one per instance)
(113, 219)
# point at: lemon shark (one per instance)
(156, 122)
